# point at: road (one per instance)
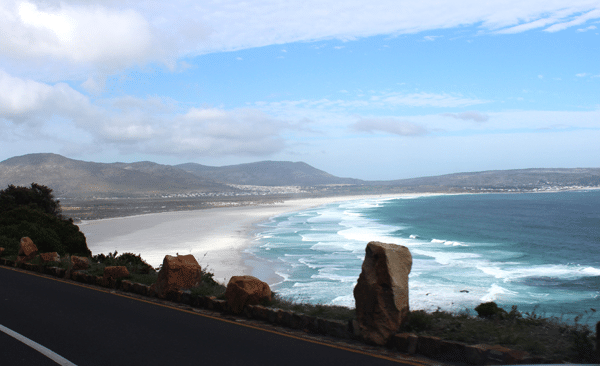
(90, 327)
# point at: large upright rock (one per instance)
(381, 294)
(27, 250)
(181, 272)
(246, 290)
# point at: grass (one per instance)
(208, 286)
(540, 336)
(317, 310)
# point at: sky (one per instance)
(375, 90)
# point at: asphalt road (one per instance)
(90, 327)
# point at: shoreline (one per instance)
(217, 237)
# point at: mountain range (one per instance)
(76, 178)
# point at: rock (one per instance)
(50, 257)
(114, 272)
(598, 342)
(381, 294)
(246, 290)
(180, 272)
(27, 250)
(406, 342)
(79, 263)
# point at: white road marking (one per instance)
(38, 347)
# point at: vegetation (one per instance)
(209, 287)
(33, 212)
(134, 263)
(544, 337)
(318, 310)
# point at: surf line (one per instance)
(38, 347)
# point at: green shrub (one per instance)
(37, 197)
(134, 263)
(33, 212)
(489, 310)
(333, 312)
(417, 321)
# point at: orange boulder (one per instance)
(79, 263)
(50, 257)
(27, 250)
(180, 272)
(246, 290)
(114, 272)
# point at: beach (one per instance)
(216, 237)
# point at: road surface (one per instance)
(90, 327)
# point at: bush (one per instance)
(418, 321)
(134, 263)
(36, 197)
(490, 310)
(34, 213)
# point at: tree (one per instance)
(33, 212)
(37, 197)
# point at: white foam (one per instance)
(561, 271)
(346, 300)
(285, 276)
(306, 262)
(447, 258)
(494, 293)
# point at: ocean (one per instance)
(539, 251)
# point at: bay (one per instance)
(539, 251)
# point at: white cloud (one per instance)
(389, 125)
(473, 116)
(216, 132)
(114, 35)
(429, 100)
(128, 123)
(591, 27)
(78, 34)
(30, 102)
(577, 20)
(387, 100)
(582, 75)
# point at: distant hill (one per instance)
(506, 179)
(75, 178)
(267, 173)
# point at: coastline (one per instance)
(217, 237)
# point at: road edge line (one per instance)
(36, 346)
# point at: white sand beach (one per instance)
(216, 237)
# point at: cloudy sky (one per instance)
(364, 89)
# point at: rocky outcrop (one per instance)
(381, 294)
(79, 263)
(180, 272)
(50, 257)
(246, 290)
(114, 272)
(27, 250)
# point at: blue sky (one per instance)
(385, 90)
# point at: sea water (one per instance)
(539, 251)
